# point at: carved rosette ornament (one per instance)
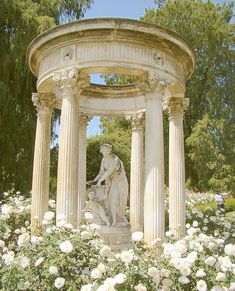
(137, 120)
(84, 119)
(151, 83)
(44, 102)
(72, 79)
(175, 106)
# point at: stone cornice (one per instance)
(175, 106)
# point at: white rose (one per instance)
(185, 271)
(167, 282)
(140, 287)
(220, 277)
(8, 258)
(23, 261)
(39, 261)
(102, 267)
(2, 243)
(127, 256)
(87, 287)
(6, 209)
(137, 236)
(66, 247)
(232, 286)
(195, 223)
(49, 215)
(60, 223)
(85, 235)
(153, 272)
(35, 240)
(183, 280)
(120, 278)
(59, 282)
(201, 285)
(200, 273)
(210, 261)
(165, 273)
(105, 251)
(53, 270)
(230, 250)
(96, 273)
(23, 238)
(23, 285)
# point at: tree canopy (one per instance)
(20, 22)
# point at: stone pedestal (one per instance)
(41, 167)
(117, 238)
(137, 175)
(175, 107)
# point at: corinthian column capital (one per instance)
(151, 84)
(72, 79)
(137, 120)
(175, 106)
(44, 102)
(84, 119)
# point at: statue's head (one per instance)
(105, 148)
(91, 195)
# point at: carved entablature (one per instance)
(44, 101)
(175, 106)
(137, 120)
(151, 83)
(84, 119)
(71, 79)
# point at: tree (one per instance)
(20, 22)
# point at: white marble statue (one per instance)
(94, 205)
(112, 172)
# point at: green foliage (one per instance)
(20, 22)
(212, 154)
(210, 146)
(211, 208)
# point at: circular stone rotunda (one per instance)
(63, 58)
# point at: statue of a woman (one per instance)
(113, 173)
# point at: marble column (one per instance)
(137, 175)
(41, 167)
(175, 107)
(83, 122)
(70, 82)
(154, 216)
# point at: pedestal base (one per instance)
(117, 238)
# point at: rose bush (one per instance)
(64, 258)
